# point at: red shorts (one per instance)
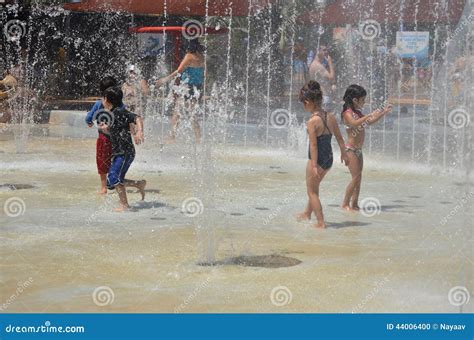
(104, 154)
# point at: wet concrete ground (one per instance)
(63, 250)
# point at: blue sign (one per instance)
(413, 44)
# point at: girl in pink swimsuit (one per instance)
(355, 123)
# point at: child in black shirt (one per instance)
(117, 124)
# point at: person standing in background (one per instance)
(135, 92)
(322, 70)
(190, 76)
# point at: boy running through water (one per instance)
(103, 144)
(117, 124)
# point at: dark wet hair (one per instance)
(107, 82)
(354, 91)
(311, 91)
(114, 95)
(194, 46)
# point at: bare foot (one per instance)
(122, 208)
(102, 192)
(303, 217)
(355, 208)
(141, 188)
(346, 208)
(320, 225)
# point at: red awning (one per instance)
(342, 12)
(173, 7)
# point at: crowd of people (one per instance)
(119, 115)
(119, 127)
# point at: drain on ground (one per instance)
(263, 261)
(16, 186)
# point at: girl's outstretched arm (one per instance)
(180, 69)
(377, 114)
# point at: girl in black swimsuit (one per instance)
(325, 158)
(321, 127)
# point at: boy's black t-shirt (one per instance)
(119, 129)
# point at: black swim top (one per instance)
(325, 156)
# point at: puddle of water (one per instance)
(262, 261)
